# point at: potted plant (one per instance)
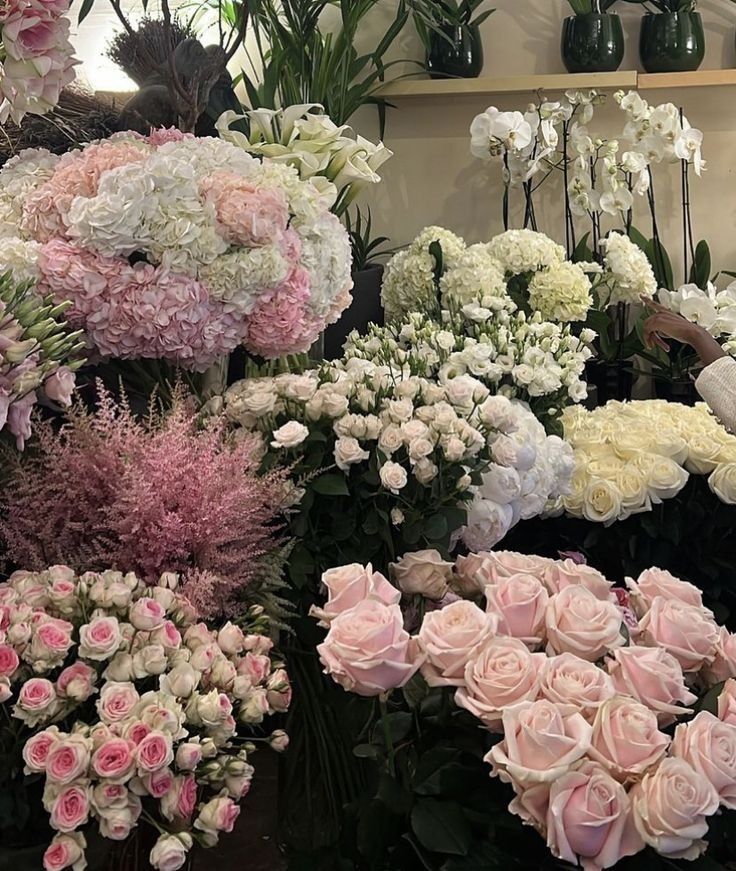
(672, 37)
(450, 31)
(592, 40)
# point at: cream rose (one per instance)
(601, 501)
(577, 622)
(422, 573)
(348, 452)
(626, 738)
(393, 477)
(451, 637)
(659, 582)
(568, 680)
(685, 631)
(709, 746)
(502, 673)
(541, 742)
(653, 677)
(671, 806)
(520, 603)
(289, 435)
(723, 483)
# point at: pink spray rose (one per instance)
(577, 622)
(37, 748)
(67, 759)
(51, 640)
(368, 651)
(450, 638)
(117, 701)
(520, 603)
(217, 815)
(501, 673)
(709, 746)
(70, 809)
(348, 585)
(659, 582)
(653, 677)
(626, 738)
(568, 680)
(36, 700)
(568, 573)
(99, 638)
(541, 742)
(114, 760)
(169, 853)
(179, 802)
(9, 661)
(671, 806)
(230, 639)
(76, 681)
(158, 783)
(65, 851)
(147, 614)
(188, 756)
(685, 631)
(279, 691)
(116, 823)
(727, 703)
(154, 752)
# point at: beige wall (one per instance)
(433, 179)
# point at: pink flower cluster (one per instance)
(180, 248)
(580, 680)
(66, 640)
(36, 59)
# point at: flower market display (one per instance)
(629, 456)
(131, 710)
(590, 697)
(179, 248)
(36, 59)
(38, 354)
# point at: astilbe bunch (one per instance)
(152, 496)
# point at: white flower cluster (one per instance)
(712, 309)
(630, 456)
(419, 430)
(628, 274)
(522, 358)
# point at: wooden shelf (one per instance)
(489, 86)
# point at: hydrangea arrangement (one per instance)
(630, 456)
(586, 693)
(131, 710)
(407, 447)
(36, 57)
(178, 248)
(38, 356)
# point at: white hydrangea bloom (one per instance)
(19, 177)
(238, 277)
(561, 292)
(327, 257)
(21, 258)
(476, 277)
(521, 251)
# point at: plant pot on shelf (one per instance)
(611, 380)
(455, 53)
(682, 391)
(365, 309)
(672, 42)
(592, 43)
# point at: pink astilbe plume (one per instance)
(164, 495)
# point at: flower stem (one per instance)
(389, 741)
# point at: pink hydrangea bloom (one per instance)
(249, 215)
(167, 134)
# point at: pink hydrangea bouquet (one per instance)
(178, 248)
(36, 57)
(588, 693)
(131, 710)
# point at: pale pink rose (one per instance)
(569, 680)
(51, 640)
(188, 756)
(348, 585)
(181, 681)
(147, 614)
(231, 639)
(727, 703)
(519, 602)
(116, 823)
(709, 746)
(278, 741)
(67, 759)
(70, 809)
(256, 667)
(37, 748)
(167, 636)
(204, 656)
(258, 644)
(368, 651)
(117, 701)
(9, 661)
(568, 573)
(685, 631)
(422, 573)
(659, 582)
(169, 853)
(154, 752)
(76, 681)
(279, 691)
(577, 622)
(100, 638)
(36, 700)
(501, 673)
(626, 738)
(488, 567)
(723, 666)
(197, 635)
(589, 819)
(541, 742)
(60, 386)
(158, 783)
(114, 760)
(653, 677)
(217, 815)
(136, 731)
(450, 638)
(107, 795)
(65, 851)
(671, 806)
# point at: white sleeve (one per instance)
(717, 385)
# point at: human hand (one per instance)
(664, 323)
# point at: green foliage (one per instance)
(365, 246)
(436, 16)
(588, 7)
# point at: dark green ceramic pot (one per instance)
(456, 53)
(672, 42)
(592, 43)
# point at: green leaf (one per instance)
(441, 827)
(399, 725)
(367, 751)
(85, 9)
(372, 829)
(709, 702)
(435, 250)
(661, 264)
(701, 268)
(393, 795)
(436, 527)
(428, 776)
(330, 485)
(582, 252)
(415, 691)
